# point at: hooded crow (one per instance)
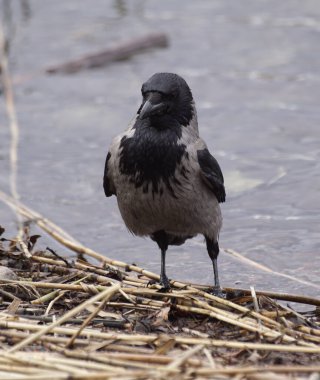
(168, 185)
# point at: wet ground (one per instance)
(254, 70)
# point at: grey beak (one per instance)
(150, 109)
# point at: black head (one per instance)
(166, 97)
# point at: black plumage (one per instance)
(151, 156)
(212, 174)
(106, 183)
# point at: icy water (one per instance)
(254, 69)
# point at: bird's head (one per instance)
(166, 97)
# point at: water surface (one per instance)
(253, 67)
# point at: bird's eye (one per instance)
(173, 95)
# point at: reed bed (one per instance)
(63, 318)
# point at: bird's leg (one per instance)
(161, 238)
(213, 251)
(164, 281)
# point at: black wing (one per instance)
(212, 174)
(107, 185)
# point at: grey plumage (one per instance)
(168, 186)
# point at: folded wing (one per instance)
(108, 185)
(212, 174)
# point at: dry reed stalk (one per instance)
(50, 296)
(244, 317)
(14, 370)
(129, 375)
(27, 359)
(58, 286)
(225, 302)
(119, 361)
(249, 345)
(60, 294)
(123, 50)
(80, 272)
(243, 309)
(267, 269)
(183, 358)
(237, 322)
(91, 362)
(255, 299)
(106, 294)
(71, 363)
(97, 269)
(8, 295)
(195, 333)
(46, 338)
(210, 358)
(151, 338)
(151, 292)
(7, 365)
(134, 281)
(147, 301)
(86, 323)
(308, 330)
(257, 323)
(122, 305)
(89, 289)
(150, 358)
(254, 369)
(33, 215)
(14, 129)
(130, 299)
(114, 347)
(279, 296)
(216, 315)
(226, 317)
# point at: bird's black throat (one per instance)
(152, 154)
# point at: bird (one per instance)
(167, 184)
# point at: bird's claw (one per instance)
(164, 290)
(218, 292)
(151, 283)
(165, 283)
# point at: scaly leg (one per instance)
(213, 252)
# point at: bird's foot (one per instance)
(218, 292)
(165, 283)
(151, 283)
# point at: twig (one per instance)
(86, 322)
(14, 127)
(59, 257)
(255, 369)
(107, 293)
(255, 300)
(236, 322)
(278, 296)
(34, 216)
(269, 270)
(151, 338)
(120, 52)
(185, 356)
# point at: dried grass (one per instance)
(66, 319)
